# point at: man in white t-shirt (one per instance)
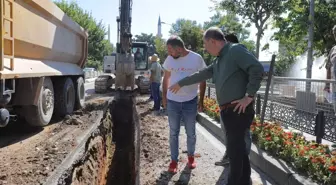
(179, 64)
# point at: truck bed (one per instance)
(38, 39)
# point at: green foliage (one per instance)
(256, 11)
(98, 46)
(160, 45)
(293, 28)
(192, 36)
(177, 27)
(191, 33)
(250, 45)
(94, 64)
(230, 23)
(283, 63)
(143, 37)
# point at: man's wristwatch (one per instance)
(248, 95)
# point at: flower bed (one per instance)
(315, 160)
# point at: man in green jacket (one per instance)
(237, 75)
(232, 38)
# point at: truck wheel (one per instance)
(80, 93)
(65, 96)
(41, 114)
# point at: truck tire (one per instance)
(65, 97)
(80, 93)
(41, 114)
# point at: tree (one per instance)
(98, 46)
(293, 28)
(160, 45)
(176, 27)
(229, 23)
(144, 37)
(190, 32)
(256, 11)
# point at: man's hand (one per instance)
(242, 104)
(164, 102)
(200, 106)
(175, 88)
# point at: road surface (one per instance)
(155, 155)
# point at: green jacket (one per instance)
(235, 72)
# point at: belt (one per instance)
(227, 105)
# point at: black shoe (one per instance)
(223, 162)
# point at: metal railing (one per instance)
(291, 105)
(302, 104)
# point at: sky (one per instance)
(145, 14)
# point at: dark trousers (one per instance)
(155, 90)
(235, 125)
(150, 91)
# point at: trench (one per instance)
(111, 155)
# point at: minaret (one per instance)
(159, 34)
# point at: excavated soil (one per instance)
(124, 167)
(28, 156)
(125, 140)
(93, 165)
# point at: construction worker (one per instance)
(150, 88)
(155, 79)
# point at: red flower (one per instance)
(332, 169)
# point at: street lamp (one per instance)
(165, 23)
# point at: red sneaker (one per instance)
(172, 167)
(191, 162)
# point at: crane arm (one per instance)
(124, 31)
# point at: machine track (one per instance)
(103, 83)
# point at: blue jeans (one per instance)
(247, 138)
(176, 112)
(155, 91)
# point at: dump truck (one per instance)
(43, 53)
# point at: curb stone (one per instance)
(274, 168)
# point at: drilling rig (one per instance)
(131, 61)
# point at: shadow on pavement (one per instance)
(164, 178)
(184, 177)
(223, 178)
(16, 132)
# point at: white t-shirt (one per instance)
(181, 68)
